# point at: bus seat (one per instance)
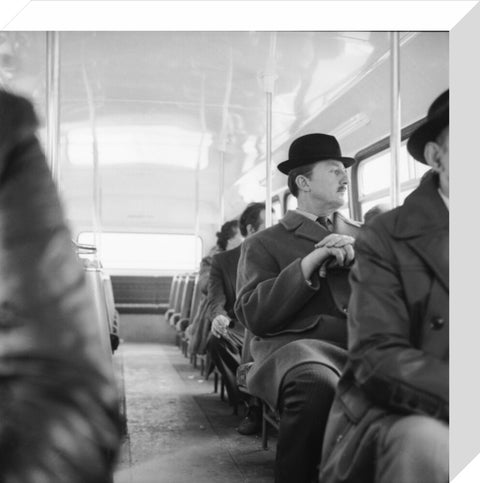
(270, 416)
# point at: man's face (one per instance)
(328, 183)
(437, 156)
(261, 220)
(444, 159)
(261, 226)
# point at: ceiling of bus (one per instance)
(160, 103)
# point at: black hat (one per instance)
(437, 119)
(312, 148)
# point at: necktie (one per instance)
(323, 220)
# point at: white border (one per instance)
(232, 15)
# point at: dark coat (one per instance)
(398, 333)
(57, 384)
(275, 302)
(221, 286)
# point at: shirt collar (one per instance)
(445, 199)
(311, 216)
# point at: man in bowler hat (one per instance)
(389, 420)
(292, 294)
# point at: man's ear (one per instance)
(431, 154)
(302, 182)
(250, 229)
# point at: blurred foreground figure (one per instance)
(58, 405)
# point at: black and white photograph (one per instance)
(225, 242)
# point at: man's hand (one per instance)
(219, 325)
(338, 247)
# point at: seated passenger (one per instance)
(227, 333)
(228, 238)
(375, 211)
(59, 419)
(292, 292)
(389, 421)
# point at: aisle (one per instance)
(179, 430)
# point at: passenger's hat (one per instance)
(437, 119)
(312, 148)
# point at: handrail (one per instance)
(85, 247)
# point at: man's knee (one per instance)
(416, 445)
(311, 386)
(417, 432)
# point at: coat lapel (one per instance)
(433, 249)
(310, 230)
(423, 223)
(303, 227)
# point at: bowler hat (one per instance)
(312, 148)
(437, 119)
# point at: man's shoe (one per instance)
(252, 422)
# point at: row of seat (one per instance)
(100, 287)
(184, 303)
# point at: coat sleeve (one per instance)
(268, 298)
(59, 416)
(386, 364)
(216, 291)
(204, 274)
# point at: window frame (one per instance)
(369, 152)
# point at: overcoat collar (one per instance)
(423, 222)
(306, 228)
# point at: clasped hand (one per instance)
(219, 325)
(339, 247)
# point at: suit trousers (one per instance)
(225, 354)
(414, 449)
(305, 397)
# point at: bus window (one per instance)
(146, 251)
(374, 178)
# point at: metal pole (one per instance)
(268, 83)
(396, 123)
(221, 185)
(197, 199)
(53, 101)
(268, 163)
(203, 126)
(97, 185)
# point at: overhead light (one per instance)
(350, 125)
(159, 145)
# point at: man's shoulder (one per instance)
(227, 256)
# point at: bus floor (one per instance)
(178, 429)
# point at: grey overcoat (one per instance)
(293, 322)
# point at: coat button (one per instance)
(436, 323)
(345, 309)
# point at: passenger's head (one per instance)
(374, 211)
(429, 143)
(316, 171)
(252, 219)
(229, 235)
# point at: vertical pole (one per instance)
(197, 199)
(269, 78)
(203, 127)
(53, 101)
(268, 163)
(221, 185)
(395, 135)
(97, 193)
